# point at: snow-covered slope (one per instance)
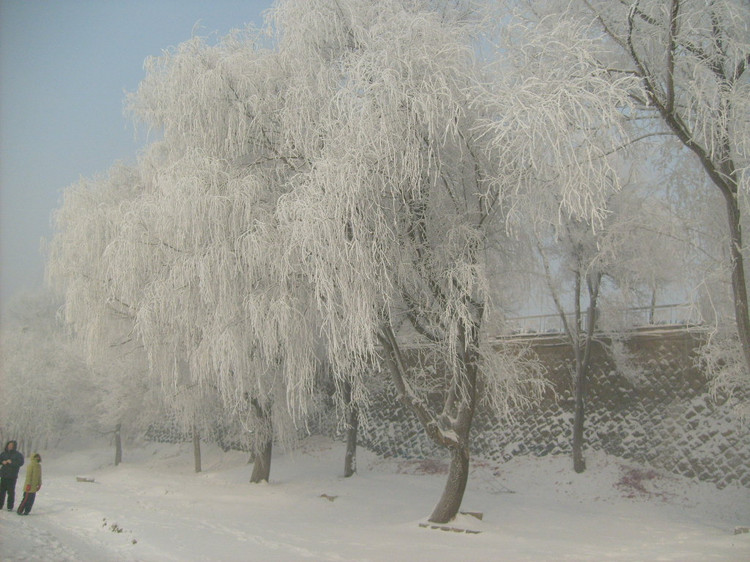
(153, 507)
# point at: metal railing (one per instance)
(630, 318)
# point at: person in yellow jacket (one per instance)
(32, 485)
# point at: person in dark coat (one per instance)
(10, 461)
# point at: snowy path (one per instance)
(32, 538)
(154, 508)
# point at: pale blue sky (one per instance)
(65, 66)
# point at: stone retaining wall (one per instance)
(661, 415)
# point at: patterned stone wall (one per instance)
(657, 411)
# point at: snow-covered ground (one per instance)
(153, 507)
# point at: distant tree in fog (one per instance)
(99, 319)
(47, 390)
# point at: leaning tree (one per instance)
(405, 208)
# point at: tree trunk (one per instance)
(197, 449)
(352, 425)
(262, 464)
(739, 287)
(453, 427)
(458, 473)
(453, 493)
(118, 445)
(583, 361)
(579, 462)
(652, 308)
(350, 459)
(263, 444)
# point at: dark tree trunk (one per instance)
(739, 286)
(263, 445)
(652, 309)
(197, 449)
(118, 445)
(579, 462)
(352, 425)
(350, 459)
(457, 415)
(262, 464)
(453, 493)
(583, 361)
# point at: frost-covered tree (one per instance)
(572, 247)
(691, 59)
(721, 355)
(403, 213)
(47, 389)
(557, 124)
(84, 225)
(201, 252)
(626, 253)
(98, 317)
